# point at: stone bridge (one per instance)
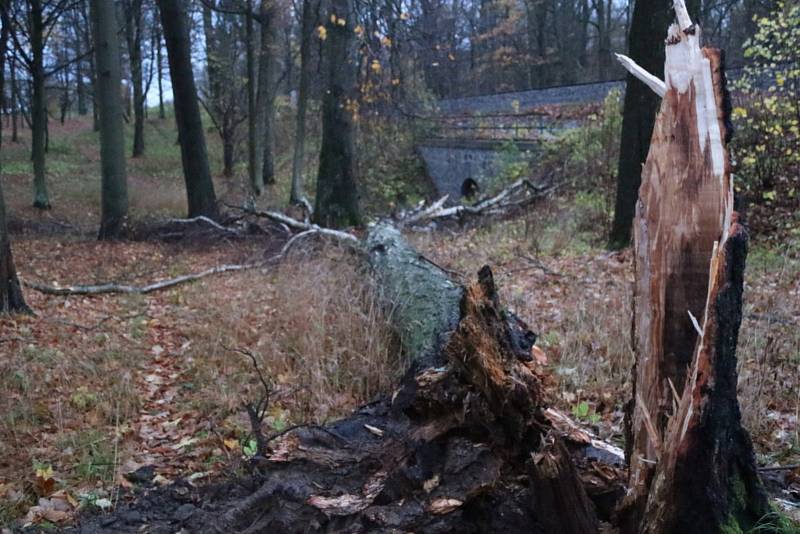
(466, 167)
(474, 132)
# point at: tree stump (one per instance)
(692, 467)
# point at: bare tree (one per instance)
(199, 186)
(337, 196)
(112, 140)
(11, 298)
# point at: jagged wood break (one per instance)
(692, 467)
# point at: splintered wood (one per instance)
(686, 447)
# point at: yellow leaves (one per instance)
(375, 66)
(45, 472)
(404, 16)
(338, 21)
(739, 113)
(359, 31)
(322, 32)
(386, 42)
(231, 444)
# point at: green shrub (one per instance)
(766, 147)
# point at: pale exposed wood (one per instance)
(645, 77)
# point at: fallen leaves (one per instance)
(59, 508)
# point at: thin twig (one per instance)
(257, 411)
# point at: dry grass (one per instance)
(769, 352)
(318, 333)
(78, 377)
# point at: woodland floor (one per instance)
(101, 393)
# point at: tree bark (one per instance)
(692, 467)
(267, 88)
(112, 139)
(253, 115)
(41, 199)
(337, 195)
(159, 68)
(133, 37)
(199, 186)
(11, 298)
(308, 20)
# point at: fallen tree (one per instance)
(462, 445)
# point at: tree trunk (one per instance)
(14, 101)
(199, 186)
(133, 35)
(41, 199)
(159, 68)
(645, 47)
(267, 88)
(337, 196)
(306, 30)
(112, 140)
(645, 41)
(87, 41)
(692, 467)
(253, 114)
(11, 299)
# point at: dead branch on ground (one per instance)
(112, 287)
(517, 195)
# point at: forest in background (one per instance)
(262, 72)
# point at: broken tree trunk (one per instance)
(463, 445)
(692, 467)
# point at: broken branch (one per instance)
(638, 72)
(111, 287)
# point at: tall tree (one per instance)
(226, 92)
(337, 196)
(11, 298)
(41, 199)
(134, 29)
(252, 112)
(199, 186)
(308, 22)
(645, 47)
(159, 67)
(267, 87)
(112, 140)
